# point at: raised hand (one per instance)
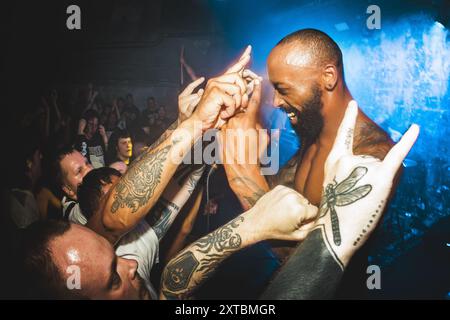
(356, 188)
(81, 126)
(188, 99)
(222, 96)
(247, 124)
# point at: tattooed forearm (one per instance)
(165, 135)
(311, 272)
(162, 216)
(138, 184)
(195, 264)
(251, 193)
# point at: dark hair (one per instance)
(24, 151)
(55, 164)
(324, 48)
(111, 155)
(42, 277)
(91, 114)
(90, 191)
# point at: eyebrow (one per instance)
(112, 273)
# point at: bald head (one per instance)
(305, 68)
(56, 252)
(311, 48)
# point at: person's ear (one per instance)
(330, 77)
(68, 190)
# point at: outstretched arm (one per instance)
(142, 185)
(355, 192)
(172, 201)
(192, 266)
(245, 177)
(145, 180)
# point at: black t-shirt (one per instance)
(93, 149)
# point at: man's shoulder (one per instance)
(371, 139)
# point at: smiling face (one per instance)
(297, 84)
(74, 167)
(103, 275)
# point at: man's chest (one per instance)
(310, 174)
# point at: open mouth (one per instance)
(291, 116)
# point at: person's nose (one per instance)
(132, 268)
(277, 100)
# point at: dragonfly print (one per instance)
(342, 194)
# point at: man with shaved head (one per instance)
(307, 73)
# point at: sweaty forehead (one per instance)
(293, 55)
(288, 67)
(83, 248)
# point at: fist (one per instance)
(284, 214)
(81, 126)
(101, 130)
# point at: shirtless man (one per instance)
(306, 71)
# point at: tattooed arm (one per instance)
(173, 199)
(138, 190)
(355, 192)
(245, 179)
(140, 187)
(247, 183)
(192, 266)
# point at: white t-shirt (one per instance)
(140, 244)
(72, 212)
(23, 208)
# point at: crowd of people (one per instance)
(100, 198)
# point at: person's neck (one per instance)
(124, 159)
(335, 105)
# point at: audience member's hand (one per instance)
(102, 131)
(188, 100)
(356, 188)
(222, 96)
(283, 214)
(81, 126)
(242, 132)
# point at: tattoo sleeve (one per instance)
(175, 196)
(311, 272)
(147, 177)
(248, 185)
(163, 214)
(190, 268)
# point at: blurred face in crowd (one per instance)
(124, 148)
(151, 103)
(34, 166)
(120, 103)
(112, 121)
(161, 112)
(74, 167)
(91, 127)
(104, 275)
